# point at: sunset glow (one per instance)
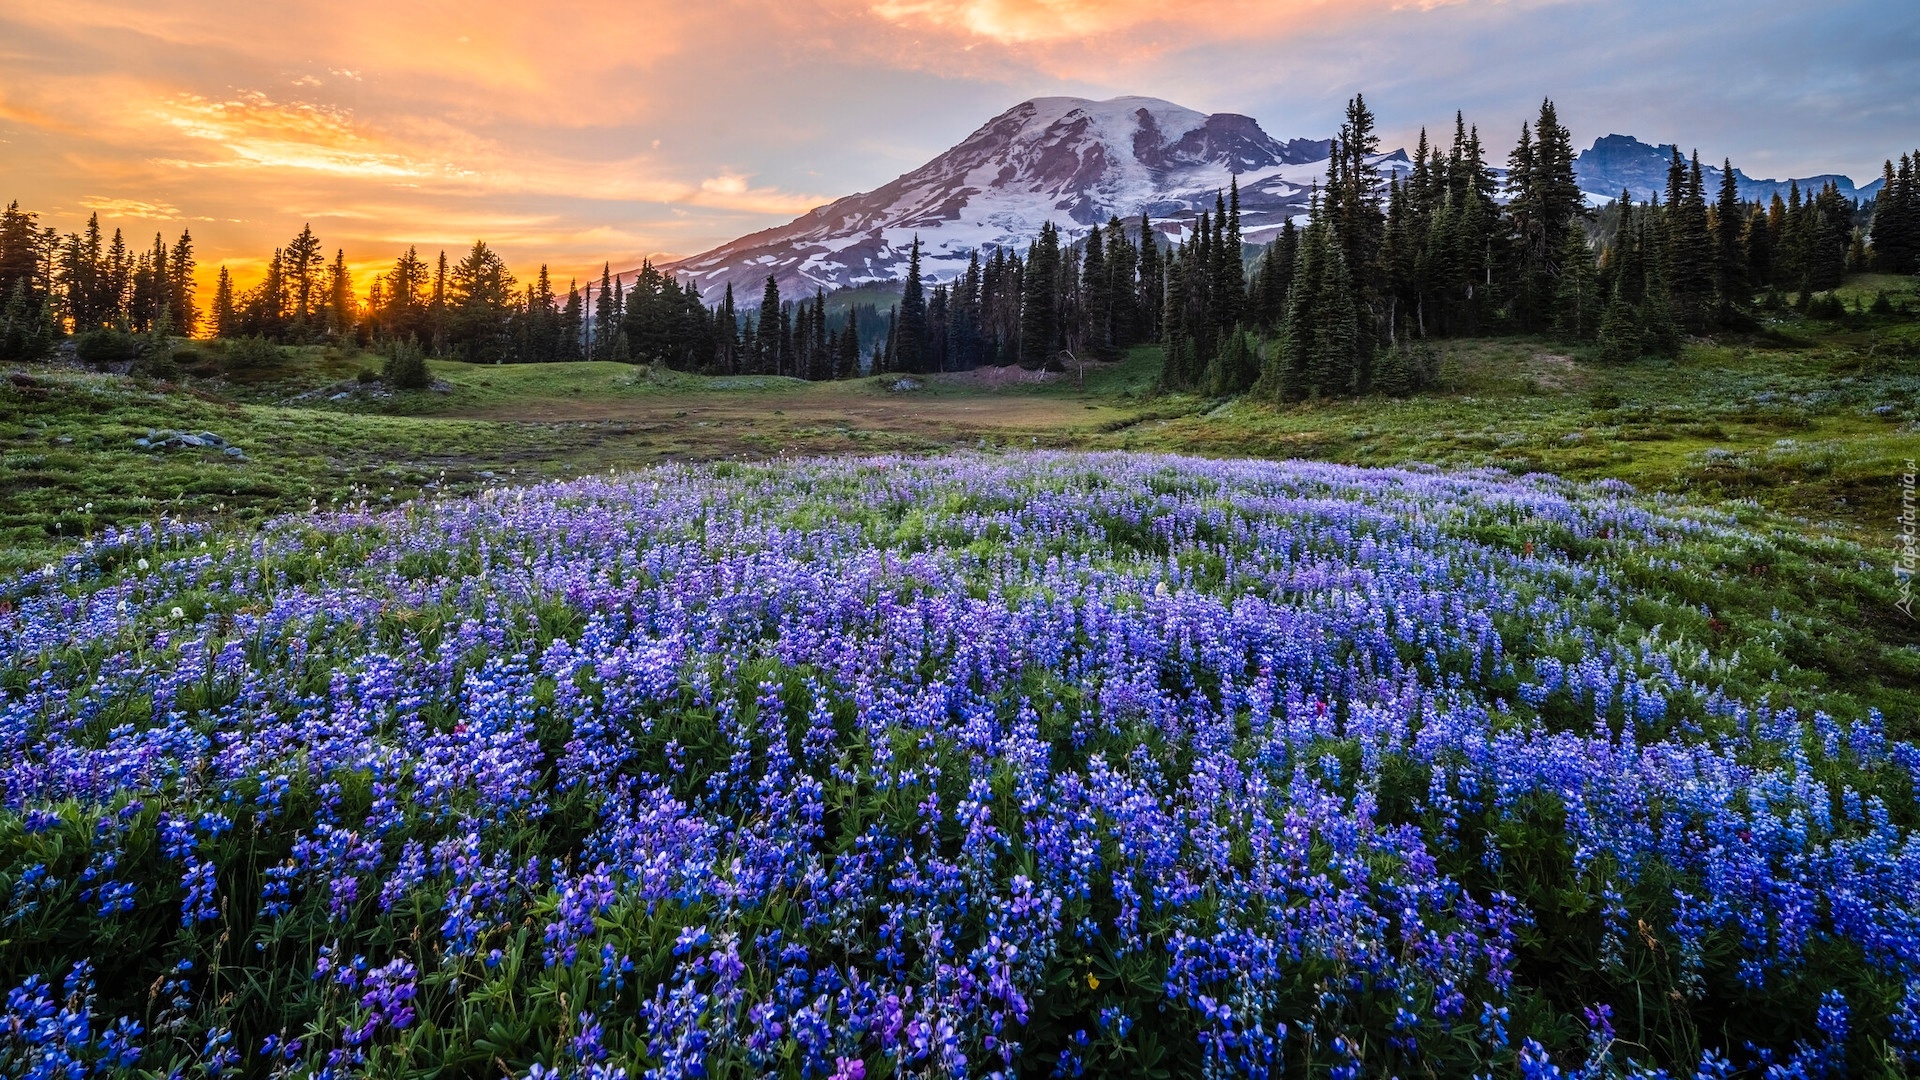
(577, 134)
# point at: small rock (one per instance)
(186, 440)
(143, 444)
(210, 439)
(342, 396)
(235, 453)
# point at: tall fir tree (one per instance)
(605, 322)
(226, 322)
(911, 347)
(1039, 310)
(766, 360)
(303, 260)
(1728, 227)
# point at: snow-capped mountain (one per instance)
(1077, 163)
(1619, 163)
(1069, 160)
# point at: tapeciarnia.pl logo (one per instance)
(1909, 561)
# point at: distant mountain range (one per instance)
(1077, 163)
(1619, 163)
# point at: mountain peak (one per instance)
(1074, 161)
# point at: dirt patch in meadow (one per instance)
(996, 378)
(918, 413)
(1553, 371)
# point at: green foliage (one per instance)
(1826, 306)
(406, 367)
(1398, 372)
(252, 354)
(106, 346)
(25, 333)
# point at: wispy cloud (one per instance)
(257, 132)
(136, 209)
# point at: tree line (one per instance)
(52, 285)
(1337, 306)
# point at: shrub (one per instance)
(1827, 306)
(157, 364)
(106, 346)
(1621, 338)
(252, 354)
(406, 367)
(1394, 376)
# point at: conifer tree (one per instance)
(572, 322)
(21, 249)
(1896, 218)
(181, 286)
(1829, 231)
(847, 365)
(727, 335)
(1039, 320)
(1756, 248)
(1793, 254)
(766, 359)
(1152, 287)
(820, 362)
(83, 278)
(226, 323)
(1577, 300)
(541, 330)
(22, 328)
(1689, 266)
(303, 259)
(405, 297)
(784, 357)
(117, 282)
(1728, 225)
(339, 298)
(1229, 274)
(264, 312)
(1316, 352)
(479, 302)
(1267, 296)
(911, 331)
(436, 314)
(1122, 302)
(1097, 305)
(1176, 339)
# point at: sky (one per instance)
(574, 133)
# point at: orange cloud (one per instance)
(137, 209)
(256, 131)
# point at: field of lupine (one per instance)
(1048, 765)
